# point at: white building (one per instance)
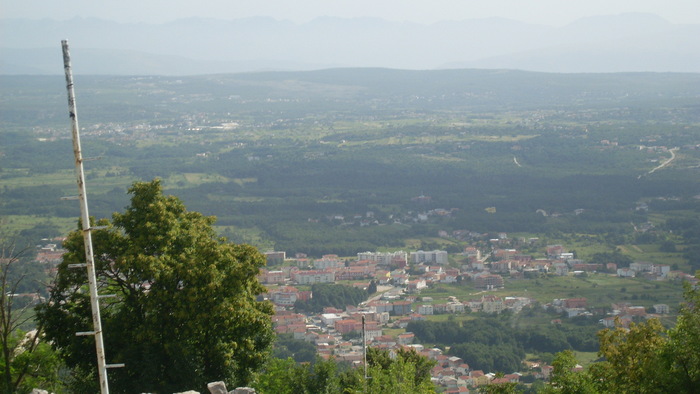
(425, 309)
(383, 258)
(434, 257)
(311, 277)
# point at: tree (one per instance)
(565, 380)
(633, 358)
(408, 372)
(372, 288)
(683, 350)
(185, 313)
(26, 361)
(646, 358)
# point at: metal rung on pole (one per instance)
(83, 265)
(70, 198)
(85, 333)
(107, 296)
(97, 228)
(122, 365)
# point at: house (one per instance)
(405, 339)
(575, 303)
(328, 261)
(313, 276)
(352, 273)
(345, 326)
(492, 304)
(626, 272)
(555, 250)
(386, 340)
(425, 309)
(462, 369)
(285, 296)
(488, 281)
(472, 253)
(273, 277)
(434, 257)
(381, 306)
(455, 307)
(329, 319)
(661, 309)
(416, 317)
(401, 308)
(454, 362)
(416, 285)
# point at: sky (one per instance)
(547, 12)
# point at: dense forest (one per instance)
(333, 161)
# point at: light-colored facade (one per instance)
(311, 277)
(433, 257)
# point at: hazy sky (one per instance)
(550, 12)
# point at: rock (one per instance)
(243, 390)
(217, 388)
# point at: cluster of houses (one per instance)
(621, 313)
(335, 332)
(328, 330)
(412, 272)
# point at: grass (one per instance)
(17, 223)
(601, 290)
(586, 358)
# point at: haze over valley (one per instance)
(617, 43)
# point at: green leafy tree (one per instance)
(284, 376)
(408, 372)
(185, 313)
(566, 380)
(398, 377)
(634, 360)
(646, 358)
(500, 388)
(683, 350)
(26, 361)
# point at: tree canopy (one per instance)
(185, 311)
(646, 358)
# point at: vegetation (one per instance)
(26, 361)
(331, 295)
(333, 161)
(185, 313)
(408, 372)
(493, 344)
(329, 161)
(647, 358)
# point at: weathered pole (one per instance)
(85, 219)
(364, 347)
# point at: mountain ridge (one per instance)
(620, 43)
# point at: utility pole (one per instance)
(85, 219)
(364, 347)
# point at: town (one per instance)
(400, 277)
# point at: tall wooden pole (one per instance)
(85, 219)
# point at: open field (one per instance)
(599, 289)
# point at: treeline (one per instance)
(331, 295)
(492, 344)
(404, 372)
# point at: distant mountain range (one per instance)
(627, 42)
